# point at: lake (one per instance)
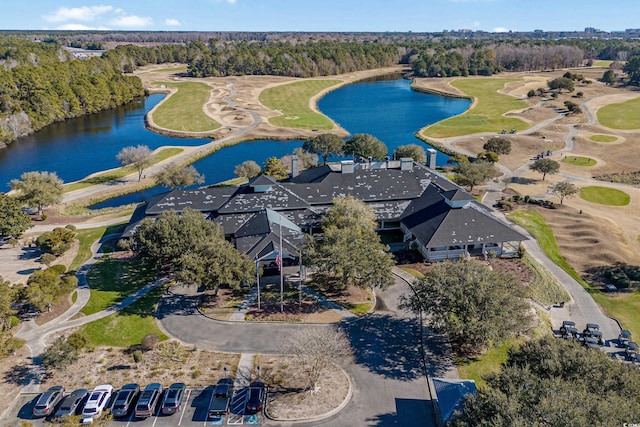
(385, 107)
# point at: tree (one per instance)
(542, 380)
(474, 305)
(175, 176)
(563, 189)
(609, 77)
(8, 295)
(316, 350)
(414, 151)
(306, 160)
(350, 251)
(561, 83)
(38, 189)
(545, 166)
(193, 248)
(13, 221)
(472, 174)
(46, 287)
(488, 156)
(140, 157)
(57, 241)
(365, 145)
(215, 263)
(247, 169)
(632, 68)
(497, 145)
(572, 107)
(273, 167)
(324, 145)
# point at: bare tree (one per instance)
(316, 350)
(141, 157)
(563, 189)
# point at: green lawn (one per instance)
(486, 116)
(601, 63)
(86, 238)
(183, 111)
(474, 368)
(544, 289)
(579, 161)
(293, 101)
(603, 138)
(624, 308)
(116, 174)
(625, 115)
(127, 327)
(111, 281)
(604, 196)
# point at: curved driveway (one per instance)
(389, 383)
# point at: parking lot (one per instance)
(194, 412)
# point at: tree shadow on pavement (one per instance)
(386, 345)
(179, 305)
(19, 374)
(409, 412)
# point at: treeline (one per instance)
(41, 84)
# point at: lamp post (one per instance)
(258, 280)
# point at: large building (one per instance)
(421, 208)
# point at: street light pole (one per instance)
(258, 280)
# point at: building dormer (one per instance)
(262, 183)
(457, 198)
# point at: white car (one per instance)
(96, 403)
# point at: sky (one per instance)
(319, 15)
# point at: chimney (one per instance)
(406, 164)
(295, 169)
(431, 158)
(347, 166)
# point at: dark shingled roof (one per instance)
(204, 200)
(278, 198)
(262, 180)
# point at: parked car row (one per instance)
(591, 336)
(143, 403)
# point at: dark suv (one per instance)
(71, 404)
(123, 404)
(148, 400)
(48, 401)
(173, 398)
(257, 395)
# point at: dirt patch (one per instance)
(107, 365)
(221, 305)
(289, 401)
(13, 371)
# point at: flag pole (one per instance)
(281, 265)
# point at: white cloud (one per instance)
(171, 22)
(84, 13)
(131, 21)
(80, 27)
(226, 1)
(500, 30)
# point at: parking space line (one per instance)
(185, 400)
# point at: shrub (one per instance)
(149, 342)
(57, 241)
(43, 217)
(531, 93)
(137, 356)
(70, 227)
(59, 355)
(78, 340)
(527, 198)
(579, 94)
(47, 259)
(58, 269)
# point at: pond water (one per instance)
(385, 107)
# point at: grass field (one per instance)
(624, 308)
(119, 173)
(474, 368)
(544, 289)
(127, 327)
(603, 138)
(602, 63)
(625, 115)
(183, 111)
(486, 116)
(293, 101)
(111, 281)
(180, 69)
(579, 161)
(604, 196)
